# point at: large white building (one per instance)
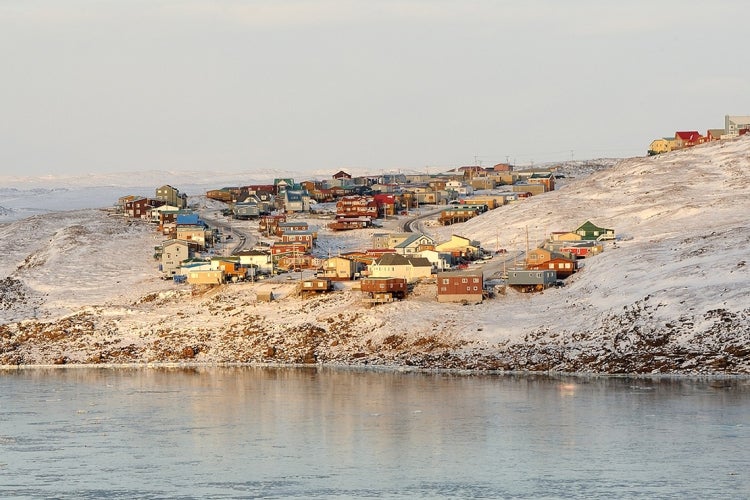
(733, 124)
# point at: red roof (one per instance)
(688, 136)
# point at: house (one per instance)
(171, 196)
(564, 236)
(199, 235)
(460, 247)
(440, 260)
(714, 134)
(392, 265)
(459, 187)
(173, 252)
(349, 223)
(245, 210)
(687, 139)
(378, 290)
(231, 266)
(526, 280)
(205, 276)
(339, 268)
(546, 179)
(296, 201)
(269, 224)
(503, 167)
(224, 194)
(541, 258)
(281, 185)
(661, 145)
(387, 204)
(138, 208)
(153, 214)
(414, 243)
(282, 227)
(306, 238)
(342, 178)
(490, 202)
(526, 187)
(315, 286)
(581, 249)
(457, 214)
(590, 231)
(256, 261)
(734, 125)
(465, 288)
(357, 206)
(188, 218)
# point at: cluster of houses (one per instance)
(734, 126)
(558, 257)
(361, 200)
(384, 272)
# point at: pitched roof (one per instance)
(411, 239)
(691, 135)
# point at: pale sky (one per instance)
(378, 85)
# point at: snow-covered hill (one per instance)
(672, 295)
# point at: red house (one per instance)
(139, 207)
(357, 206)
(688, 139)
(464, 288)
(386, 204)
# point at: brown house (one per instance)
(138, 208)
(315, 286)
(464, 288)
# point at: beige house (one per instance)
(339, 268)
(205, 277)
(458, 246)
(393, 265)
(171, 196)
(661, 145)
(195, 234)
(566, 236)
(172, 254)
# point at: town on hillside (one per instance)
(734, 126)
(208, 247)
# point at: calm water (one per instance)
(322, 433)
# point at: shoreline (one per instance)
(385, 369)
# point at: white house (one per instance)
(393, 265)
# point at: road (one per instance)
(411, 224)
(240, 239)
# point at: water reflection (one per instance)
(319, 432)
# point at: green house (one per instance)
(590, 231)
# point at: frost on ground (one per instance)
(670, 296)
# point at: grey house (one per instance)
(531, 280)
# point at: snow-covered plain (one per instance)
(671, 295)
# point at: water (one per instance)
(323, 433)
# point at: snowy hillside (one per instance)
(671, 295)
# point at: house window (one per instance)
(476, 288)
(476, 280)
(464, 280)
(446, 281)
(551, 265)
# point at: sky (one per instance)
(322, 85)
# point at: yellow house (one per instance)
(205, 277)
(565, 236)
(662, 145)
(459, 246)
